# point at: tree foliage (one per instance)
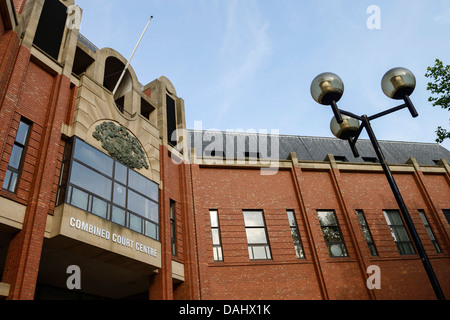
(440, 88)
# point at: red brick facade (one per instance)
(232, 190)
(44, 99)
(30, 89)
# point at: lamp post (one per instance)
(399, 84)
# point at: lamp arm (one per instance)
(381, 114)
(351, 115)
(337, 112)
(352, 141)
(411, 107)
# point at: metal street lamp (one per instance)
(399, 84)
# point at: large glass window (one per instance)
(332, 234)
(258, 243)
(102, 186)
(398, 231)
(16, 158)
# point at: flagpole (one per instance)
(132, 55)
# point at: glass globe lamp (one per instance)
(347, 129)
(398, 83)
(326, 88)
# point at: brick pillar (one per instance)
(161, 284)
(190, 239)
(22, 263)
(296, 173)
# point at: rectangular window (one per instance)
(215, 233)
(257, 239)
(429, 231)
(332, 234)
(295, 234)
(366, 231)
(94, 182)
(173, 233)
(17, 156)
(398, 231)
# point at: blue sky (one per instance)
(248, 64)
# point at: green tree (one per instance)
(440, 88)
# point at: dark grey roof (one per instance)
(87, 43)
(309, 148)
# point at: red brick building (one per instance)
(106, 195)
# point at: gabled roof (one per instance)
(309, 148)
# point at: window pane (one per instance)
(361, 218)
(13, 182)
(91, 181)
(401, 234)
(256, 235)
(259, 253)
(119, 195)
(405, 248)
(393, 218)
(331, 234)
(151, 230)
(22, 133)
(6, 181)
(94, 158)
(299, 252)
(214, 219)
(143, 185)
(291, 218)
(120, 173)
(79, 199)
(118, 216)
(253, 219)
(327, 218)
(142, 206)
(99, 207)
(135, 223)
(218, 256)
(215, 236)
(295, 235)
(16, 156)
(424, 218)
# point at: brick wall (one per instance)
(43, 98)
(232, 190)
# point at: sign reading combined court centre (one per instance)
(118, 239)
(86, 228)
